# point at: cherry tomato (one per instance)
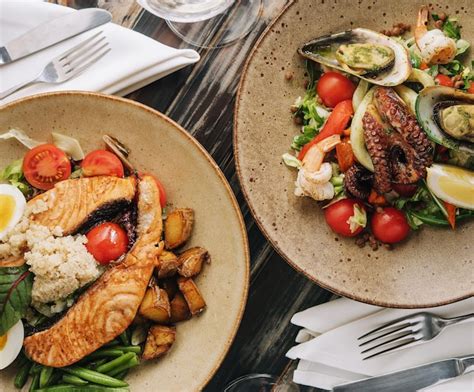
(340, 215)
(334, 87)
(160, 186)
(45, 165)
(390, 225)
(102, 163)
(405, 190)
(107, 242)
(470, 90)
(444, 80)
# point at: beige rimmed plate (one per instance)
(433, 267)
(192, 179)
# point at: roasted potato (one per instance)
(192, 295)
(155, 305)
(170, 286)
(190, 261)
(179, 309)
(178, 227)
(159, 341)
(168, 264)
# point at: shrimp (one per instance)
(314, 175)
(434, 45)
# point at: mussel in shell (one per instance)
(447, 116)
(361, 52)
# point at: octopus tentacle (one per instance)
(377, 141)
(392, 108)
(358, 181)
(404, 163)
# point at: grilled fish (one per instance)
(77, 203)
(108, 307)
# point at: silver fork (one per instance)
(68, 64)
(406, 331)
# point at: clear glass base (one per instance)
(260, 383)
(221, 30)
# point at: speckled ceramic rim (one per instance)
(217, 170)
(335, 290)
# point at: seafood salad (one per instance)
(387, 129)
(93, 274)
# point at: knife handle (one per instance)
(467, 363)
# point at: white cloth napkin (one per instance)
(329, 354)
(134, 61)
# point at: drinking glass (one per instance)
(207, 23)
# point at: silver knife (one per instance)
(413, 379)
(52, 32)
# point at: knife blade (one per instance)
(52, 32)
(413, 379)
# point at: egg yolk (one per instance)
(7, 208)
(3, 341)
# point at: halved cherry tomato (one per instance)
(45, 165)
(405, 190)
(160, 186)
(344, 215)
(334, 87)
(470, 90)
(102, 163)
(444, 80)
(107, 242)
(335, 125)
(390, 225)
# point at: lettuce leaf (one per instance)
(13, 174)
(15, 295)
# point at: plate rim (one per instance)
(266, 233)
(217, 170)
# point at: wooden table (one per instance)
(201, 98)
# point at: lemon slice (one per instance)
(452, 184)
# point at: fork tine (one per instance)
(77, 47)
(76, 71)
(393, 323)
(387, 331)
(83, 51)
(86, 57)
(403, 343)
(391, 340)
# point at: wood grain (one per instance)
(201, 98)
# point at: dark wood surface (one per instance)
(201, 98)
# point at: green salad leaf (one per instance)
(462, 46)
(452, 28)
(13, 173)
(15, 295)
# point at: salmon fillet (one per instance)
(109, 306)
(72, 203)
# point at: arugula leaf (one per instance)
(314, 73)
(15, 295)
(453, 68)
(13, 173)
(415, 59)
(452, 29)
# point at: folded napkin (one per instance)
(329, 354)
(133, 62)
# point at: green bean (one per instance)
(119, 369)
(95, 365)
(36, 368)
(22, 375)
(106, 352)
(83, 388)
(129, 349)
(107, 367)
(122, 374)
(74, 380)
(45, 376)
(429, 219)
(111, 343)
(124, 338)
(96, 377)
(57, 375)
(35, 383)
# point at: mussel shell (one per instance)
(322, 50)
(428, 105)
(438, 114)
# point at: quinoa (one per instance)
(61, 265)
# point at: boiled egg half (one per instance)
(12, 207)
(10, 344)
